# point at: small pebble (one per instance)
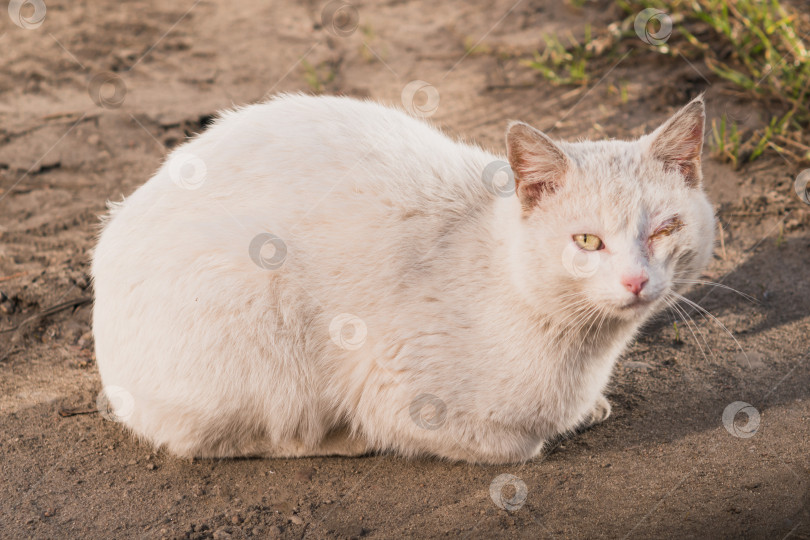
(295, 520)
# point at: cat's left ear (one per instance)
(679, 142)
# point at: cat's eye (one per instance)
(589, 242)
(669, 227)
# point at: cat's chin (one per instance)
(635, 309)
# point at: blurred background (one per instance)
(94, 94)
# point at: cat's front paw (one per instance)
(599, 413)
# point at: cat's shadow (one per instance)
(690, 384)
(772, 289)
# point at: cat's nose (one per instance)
(634, 284)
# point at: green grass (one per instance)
(317, 77)
(757, 47)
(726, 140)
(762, 54)
(564, 64)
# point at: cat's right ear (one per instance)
(538, 163)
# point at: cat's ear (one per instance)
(539, 164)
(679, 142)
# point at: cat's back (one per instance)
(340, 140)
(318, 172)
(302, 154)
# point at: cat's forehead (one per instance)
(606, 157)
(617, 184)
(617, 167)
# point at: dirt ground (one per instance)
(666, 464)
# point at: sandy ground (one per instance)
(664, 465)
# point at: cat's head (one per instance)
(615, 226)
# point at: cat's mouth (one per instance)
(635, 305)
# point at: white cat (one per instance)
(320, 275)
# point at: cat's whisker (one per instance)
(574, 304)
(584, 313)
(686, 319)
(601, 322)
(706, 313)
(575, 310)
(570, 295)
(568, 334)
(596, 311)
(715, 284)
(561, 327)
(700, 331)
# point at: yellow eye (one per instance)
(588, 242)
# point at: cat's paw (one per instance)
(599, 413)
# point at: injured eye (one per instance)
(668, 227)
(588, 242)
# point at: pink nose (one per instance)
(634, 284)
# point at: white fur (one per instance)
(463, 293)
